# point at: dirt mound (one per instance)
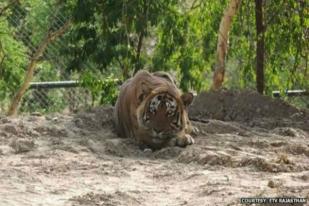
(247, 107)
(95, 118)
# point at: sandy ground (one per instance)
(247, 146)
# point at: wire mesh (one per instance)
(43, 99)
(57, 99)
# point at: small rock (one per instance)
(3, 134)
(147, 150)
(297, 115)
(33, 133)
(274, 183)
(278, 143)
(286, 131)
(78, 122)
(289, 132)
(10, 129)
(37, 114)
(5, 120)
(55, 119)
(304, 177)
(22, 145)
(271, 184)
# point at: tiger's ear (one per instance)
(144, 91)
(187, 98)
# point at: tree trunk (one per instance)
(138, 52)
(259, 46)
(141, 37)
(223, 37)
(51, 36)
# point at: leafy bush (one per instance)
(103, 89)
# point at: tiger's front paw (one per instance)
(195, 131)
(184, 140)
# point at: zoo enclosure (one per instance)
(74, 97)
(63, 97)
(54, 97)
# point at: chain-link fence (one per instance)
(48, 100)
(52, 67)
(59, 99)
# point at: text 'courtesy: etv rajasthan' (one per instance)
(274, 200)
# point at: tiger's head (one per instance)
(151, 109)
(163, 113)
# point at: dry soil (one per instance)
(247, 146)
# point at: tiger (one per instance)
(152, 110)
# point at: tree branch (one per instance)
(1, 62)
(194, 5)
(141, 37)
(2, 59)
(260, 46)
(2, 10)
(138, 52)
(51, 36)
(223, 36)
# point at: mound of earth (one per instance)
(77, 160)
(247, 107)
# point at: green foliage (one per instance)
(23, 26)
(103, 90)
(44, 101)
(12, 61)
(286, 47)
(116, 37)
(110, 39)
(111, 33)
(187, 44)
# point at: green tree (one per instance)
(112, 34)
(286, 47)
(13, 59)
(121, 37)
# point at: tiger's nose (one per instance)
(162, 104)
(158, 132)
